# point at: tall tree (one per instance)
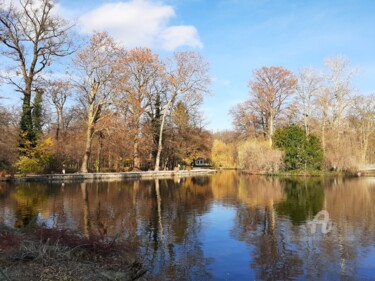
(97, 67)
(186, 75)
(185, 139)
(270, 88)
(309, 84)
(338, 78)
(143, 71)
(32, 35)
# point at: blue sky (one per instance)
(238, 36)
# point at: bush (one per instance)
(38, 160)
(259, 157)
(301, 151)
(223, 155)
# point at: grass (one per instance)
(40, 253)
(301, 172)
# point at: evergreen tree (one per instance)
(301, 151)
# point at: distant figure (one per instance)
(63, 170)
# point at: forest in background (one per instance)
(114, 109)
(314, 118)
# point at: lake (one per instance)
(225, 226)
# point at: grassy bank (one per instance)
(40, 253)
(304, 173)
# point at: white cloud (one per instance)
(175, 36)
(140, 23)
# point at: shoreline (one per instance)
(80, 177)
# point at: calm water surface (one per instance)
(221, 227)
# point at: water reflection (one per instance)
(304, 199)
(221, 227)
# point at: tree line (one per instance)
(314, 119)
(112, 109)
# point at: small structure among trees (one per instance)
(201, 162)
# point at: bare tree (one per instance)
(270, 88)
(97, 66)
(143, 71)
(362, 118)
(246, 120)
(58, 92)
(187, 75)
(323, 103)
(309, 84)
(32, 35)
(338, 79)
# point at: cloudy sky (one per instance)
(239, 35)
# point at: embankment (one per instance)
(109, 176)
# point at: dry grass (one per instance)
(54, 254)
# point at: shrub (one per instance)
(38, 159)
(301, 151)
(259, 157)
(223, 155)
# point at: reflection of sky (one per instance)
(366, 263)
(231, 259)
(49, 221)
(8, 216)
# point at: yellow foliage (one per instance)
(36, 159)
(223, 155)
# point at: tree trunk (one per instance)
(324, 135)
(86, 211)
(160, 145)
(27, 136)
(136, 158)
(100, 152)
(156, 128)
(86, 157)
(366, 137)
(270, 130)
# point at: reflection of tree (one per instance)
(304, 199)
(260, 191)
(4, 190)
(273, 259)
(173, 228)
(29, 199)
(257, 224)
(224, 186)
(351, 205)
(266, 220)
(86, 210)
